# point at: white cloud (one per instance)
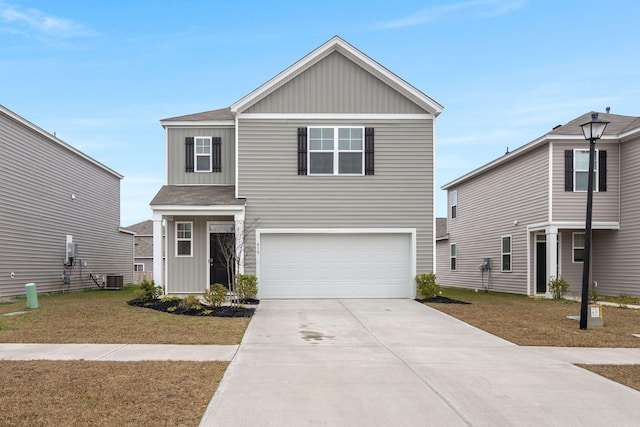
(28, 21)
(464, 9)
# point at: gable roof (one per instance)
(341, 46)
(55, 140)
(619, 127)
(144, 228)
(221, 114)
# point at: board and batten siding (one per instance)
(488, 205)
(176, 174)
(335, 85)
(570, 206)
(616, 259)
(399, 195)
(38, 178)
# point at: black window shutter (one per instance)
(602, 170)
(568, 170)
(188, 156)
(368, 151)
(302, 151)
(216, 154)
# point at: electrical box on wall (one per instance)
(71, 250)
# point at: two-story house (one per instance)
(59, 213)
(331, 163)
(525, 212)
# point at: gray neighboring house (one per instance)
(526, 212)
(60, 213)
(331, 163)
(143, 251)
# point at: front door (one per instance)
(541, 266)
(221, 250)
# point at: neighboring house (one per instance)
(143, 251)
(59, 215)
(525, 211)
(331, 166)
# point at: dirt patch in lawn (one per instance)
(628, 375)
(82, 393)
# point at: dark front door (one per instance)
(221, 246)
(541, 267)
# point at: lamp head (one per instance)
(594, 128)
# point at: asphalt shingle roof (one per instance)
(197, 195)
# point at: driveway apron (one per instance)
(400, 363)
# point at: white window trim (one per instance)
(196, 155)
(595, 169)
(451, 257)
(454, 204)
(336, 151)
(510, 253)
(136, 265)
(573, 248)
(190, 239)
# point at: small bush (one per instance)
(190, 302)
(594, 296)
(168, 298)
(216, 295)
(427, 286)
(246, 286)
(148, 291)
(558, 287)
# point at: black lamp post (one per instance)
(592, 131)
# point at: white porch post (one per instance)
(552, 252)
(240, 240)
(157, 250)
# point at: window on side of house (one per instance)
(138, 267)
(203, 153)
(184, 239)
(581, 170)
(336, 151)
(454, 204)
(506, 253)
(454, 256)
(578, 247)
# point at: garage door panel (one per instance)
(335, 265)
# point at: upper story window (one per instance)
(184, 238)
(335, 151)
(203, 154)
(454, 204)
(576, 170)
(506, 253)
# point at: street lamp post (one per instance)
(592, 131)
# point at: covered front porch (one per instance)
(555, 249)
(197, 220)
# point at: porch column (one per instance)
(240, 240)
(157, 250)
(552, 252)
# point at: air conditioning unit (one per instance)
(113, 282)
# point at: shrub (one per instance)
(190, 302)
(558, 287)
(594, 295)
(148, 291)
(216, 295)
(168, 298)
(246, 286)
(427, 286)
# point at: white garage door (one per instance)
(376, 265)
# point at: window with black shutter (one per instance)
(338, 150)
(576, 170)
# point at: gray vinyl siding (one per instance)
(335, 85)
(616, 259)
(37, 178)
(570, 206)
(399, 195)
(488, 205)
(176, 157)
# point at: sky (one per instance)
(102, 74)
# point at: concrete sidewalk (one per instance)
(400, 363)
(117, 352)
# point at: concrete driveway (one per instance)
(399, 363)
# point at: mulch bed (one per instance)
(442, 300)
(205, 310)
